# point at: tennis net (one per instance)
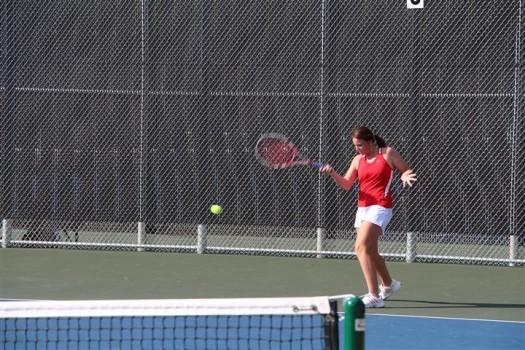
(260, 323)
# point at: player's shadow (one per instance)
(427, 304)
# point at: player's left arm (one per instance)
(396, 161)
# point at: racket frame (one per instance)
(298, 160)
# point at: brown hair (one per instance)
(365, 134)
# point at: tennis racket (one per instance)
(276, 151)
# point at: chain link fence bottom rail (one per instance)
(486, 249)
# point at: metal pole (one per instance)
(141, 238)
(513, 249)
(202, 238)
(6, 232)
(411, 247)
(321, 233)
(354, 337)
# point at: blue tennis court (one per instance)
(417, 332)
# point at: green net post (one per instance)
(354, 324)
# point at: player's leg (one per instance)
(382, 270)
(366, 248)
(388, 285)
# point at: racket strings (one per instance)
(277, 153)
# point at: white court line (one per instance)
(341, 296)
(441, 318)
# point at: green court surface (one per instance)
(444, 290)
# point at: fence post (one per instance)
(321, 233)
(411, 247)
(141, 238)
(513, 249)
(6, 232)
(202, 238)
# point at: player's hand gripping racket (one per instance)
(277, 151)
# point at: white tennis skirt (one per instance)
(375, 214)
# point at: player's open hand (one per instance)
(408, 178)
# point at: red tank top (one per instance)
(374, 182)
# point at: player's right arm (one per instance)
(347, 181)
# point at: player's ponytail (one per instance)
(381, 143)
(365, 134)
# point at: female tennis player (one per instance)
(374, 168)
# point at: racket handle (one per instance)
(317, 165)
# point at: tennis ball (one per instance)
(216, 209)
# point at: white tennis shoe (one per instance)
(387, 292)
(371, 301)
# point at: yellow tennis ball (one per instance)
(216, 209)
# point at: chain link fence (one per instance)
(123, 121)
